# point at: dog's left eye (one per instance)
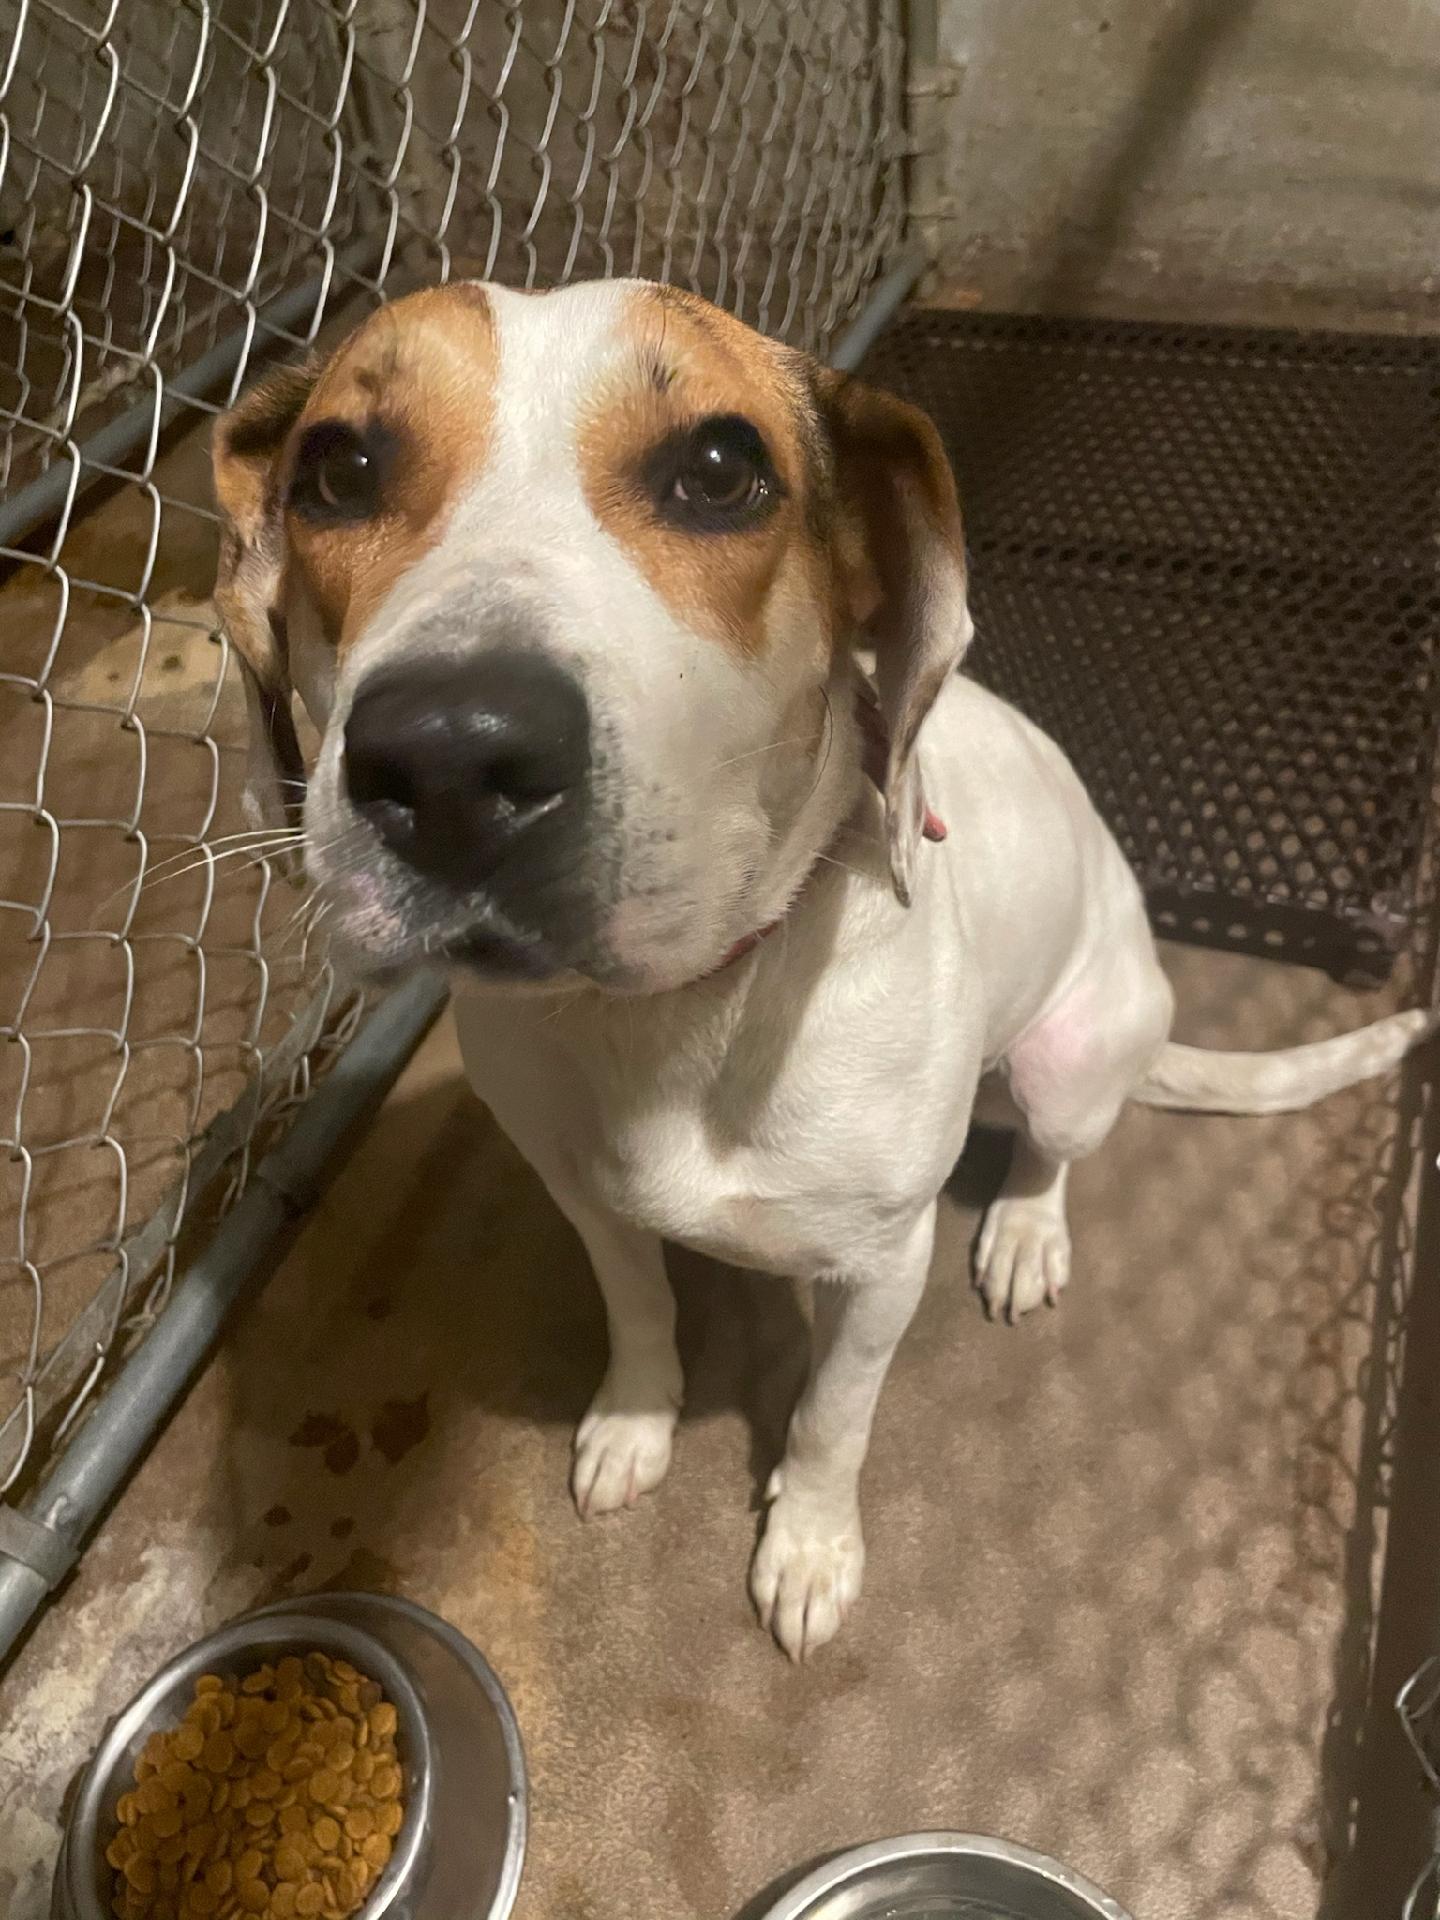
(339, 473)
(716, 476)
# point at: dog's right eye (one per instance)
(713, 477)
(340, 473)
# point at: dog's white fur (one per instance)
(799, 1110)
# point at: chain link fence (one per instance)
(187, 189)
(1419, 1707)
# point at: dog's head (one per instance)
(569, 584)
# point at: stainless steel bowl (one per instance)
(459, 1854)
(942, 1876)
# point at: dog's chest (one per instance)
(665, 1171)
(783, 1166)
(778, 1144)
(680, 1131)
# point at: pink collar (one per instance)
(875, 750)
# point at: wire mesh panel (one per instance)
(1206, 560)
(1419, 1708)
(186, 189)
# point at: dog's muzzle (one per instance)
(475, 774)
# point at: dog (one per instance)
(632, 641)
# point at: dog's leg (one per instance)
(622, 1446)
(1023, 1256)
(811, 1555)
(1069, 1076)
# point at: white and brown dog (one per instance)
(572, 586)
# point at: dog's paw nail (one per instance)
(1023, 1259)
(806, 1577)
(618, 1458)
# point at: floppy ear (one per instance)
(900, 557)
(245, 454)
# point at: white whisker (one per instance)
(774, 746)
(564, 1006)
(196, 852)
(859, 873)
(252, 857)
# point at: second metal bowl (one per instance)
(944, 1876)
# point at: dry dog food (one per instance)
(278, 1794)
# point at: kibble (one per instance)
(278, 1795)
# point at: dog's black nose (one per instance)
(455, 763)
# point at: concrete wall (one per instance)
(1275, 158)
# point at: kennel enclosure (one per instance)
(1240, 658)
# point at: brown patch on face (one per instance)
(423, 371)
(247, 442)
(245, 453)
(691, 361)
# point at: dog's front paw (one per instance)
(1023, 1257)
(807, 1571)
(620, 1455)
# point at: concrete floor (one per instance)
(1124, 1576)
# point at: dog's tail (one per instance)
(1194, 1080)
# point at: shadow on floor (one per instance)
(522, 1339)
